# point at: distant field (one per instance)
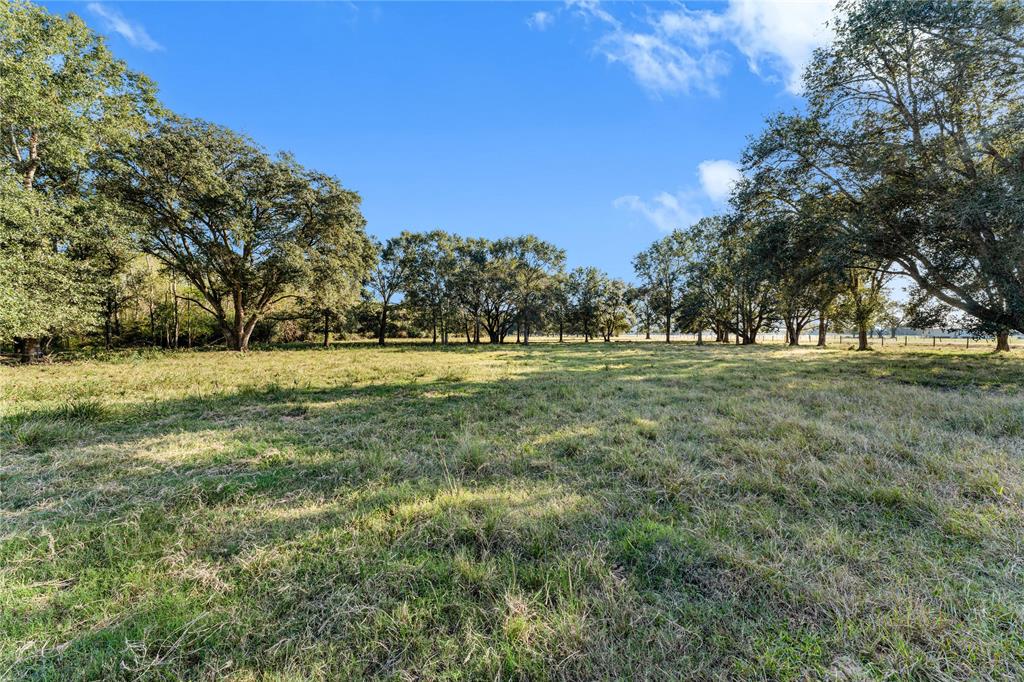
(575, 511)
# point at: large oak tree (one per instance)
(64, 101)
(246, 230)
(915, 122)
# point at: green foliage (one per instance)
(913, 136)
(662, 271)
(247, 231)
(64, 102)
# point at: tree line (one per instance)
(908, 160)
(122, 223)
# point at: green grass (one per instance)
(579, 511)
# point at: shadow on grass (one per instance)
(608, 509)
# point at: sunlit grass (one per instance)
(570, 511)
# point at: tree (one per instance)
(661, 269)
(864, 299)
(754, 294)
(796, 241)
(559, 302)
(471, 268)
(728, 283)
(613, 312)
(914, 121)
(638, 299)
(709, 288)
(498, 292)
(585, 286)
(534, 264)
(432, 271)
(389, 276)
(893, 316)
(330, 291)
(64, 101)
(247, 231)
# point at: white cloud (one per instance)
(591, 9)
(661, 65)
(679, 50)
(132, 31)
(780, 36)
(666, 211)
(540, 20)
(717, 178)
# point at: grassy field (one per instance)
(626, 510)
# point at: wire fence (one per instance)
(846, 339)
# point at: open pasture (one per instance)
(544, 512)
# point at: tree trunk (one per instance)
(240, 330)
(383, 324)
(862, 337)
(561, 326)
(1003, 340)
(247, 330)
(29, 349)
(700, 337)
(668, 328)
(822, 332)
(234, 338)
(648, 331)
(327, 327)
(177, 313)
(793, 333)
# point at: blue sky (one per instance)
(595, 126)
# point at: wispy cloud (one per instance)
(540, 20)
(666, 211)
(680, 50)
(670, 210)
(661, 65)
(132, 31)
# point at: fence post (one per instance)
(933, 342)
